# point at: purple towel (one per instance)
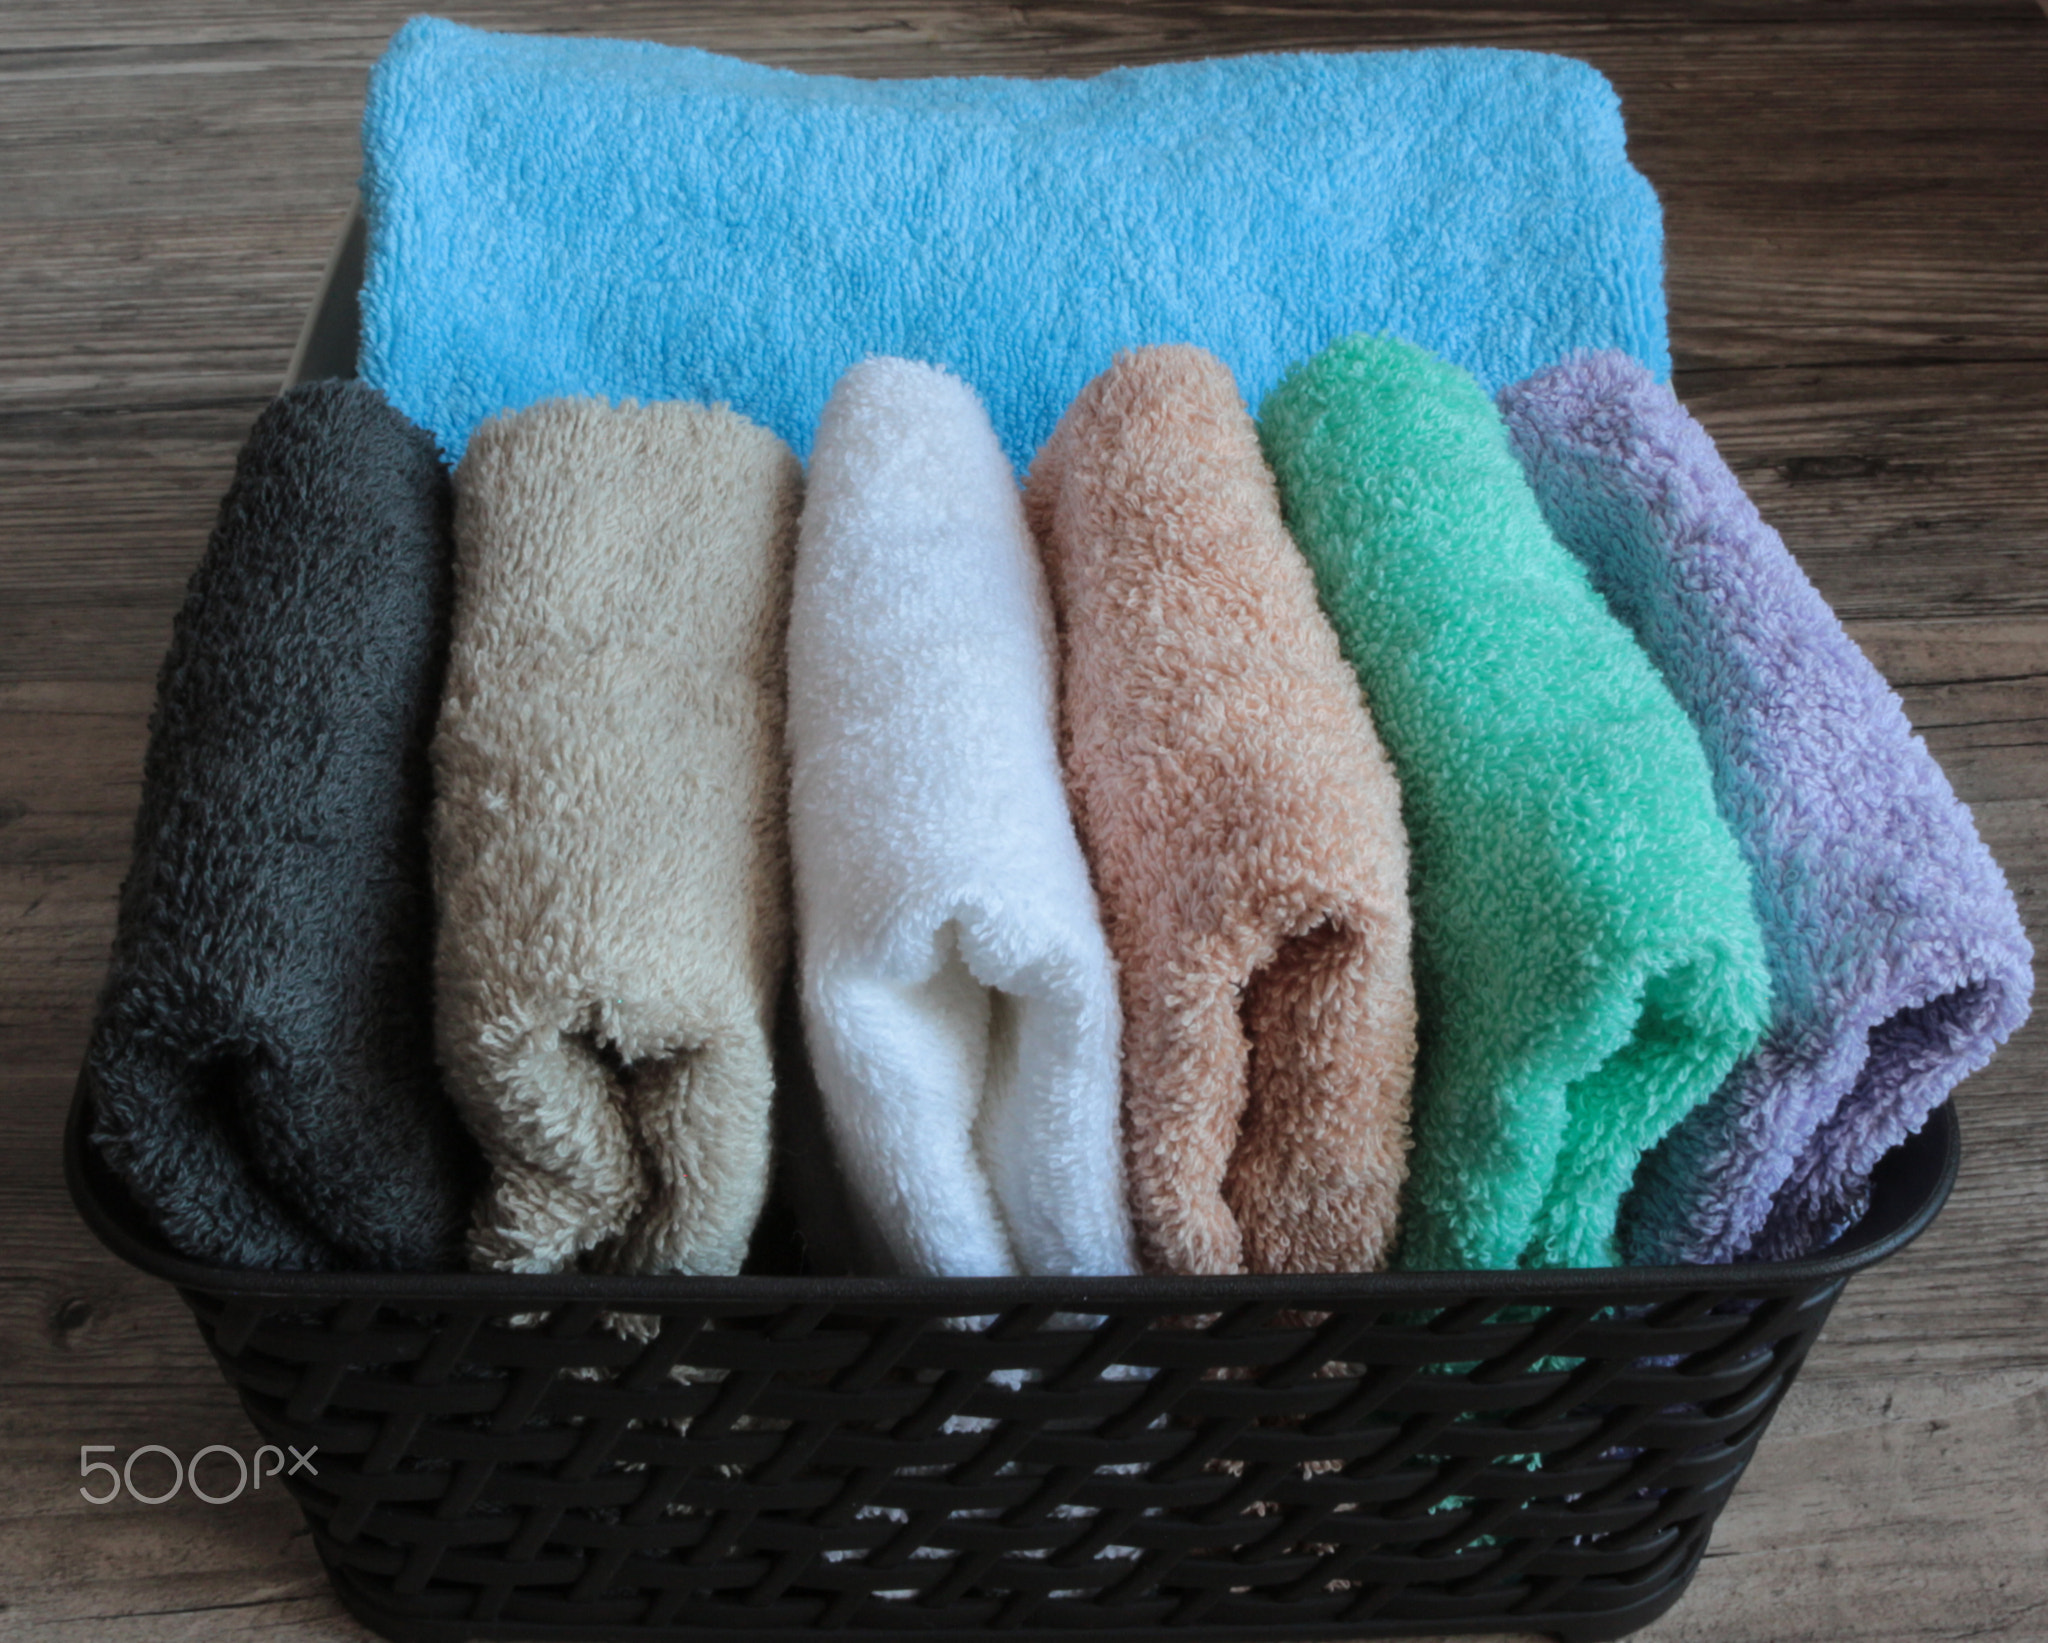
(1898, 963)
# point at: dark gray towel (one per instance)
(262, 1069)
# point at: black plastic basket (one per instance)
(776, 1458)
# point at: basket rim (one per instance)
(1908, 1188)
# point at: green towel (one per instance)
(1588, 964)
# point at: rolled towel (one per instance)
(261, 1070)
(1245, 831)
(609, 834)
(1588, 963)
(959, 1002)
(1898, 964)
(521, 244)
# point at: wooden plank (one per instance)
(181, 1570)
(1903, 492)
(900, 31)
(182, 313)
(55, 926)
(1862, 1534)
(153, 478)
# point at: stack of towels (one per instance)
(1434, 824)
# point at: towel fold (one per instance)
(261, 1069)
(959, 1002)
(609, 844)
(1588, 963)
(551, 216)
(1897, 960)
(1244, 828)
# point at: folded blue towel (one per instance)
(552, 217)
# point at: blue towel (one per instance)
(552, 217)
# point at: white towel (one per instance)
(959, 999)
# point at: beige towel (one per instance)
(609, 845)
(1244, 828)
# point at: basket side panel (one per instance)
(1483, 1463)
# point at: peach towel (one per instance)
(1245, 831)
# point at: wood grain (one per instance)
(1858, 277)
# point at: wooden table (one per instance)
(1857, 206)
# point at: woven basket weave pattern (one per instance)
(1282, 1459)
(810, 1467)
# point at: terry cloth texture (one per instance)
(1245, 832)
(959, 1001)
(552, 216)
(1588, 963)
(262, 1068)
(609, 833)
(1897, 960)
